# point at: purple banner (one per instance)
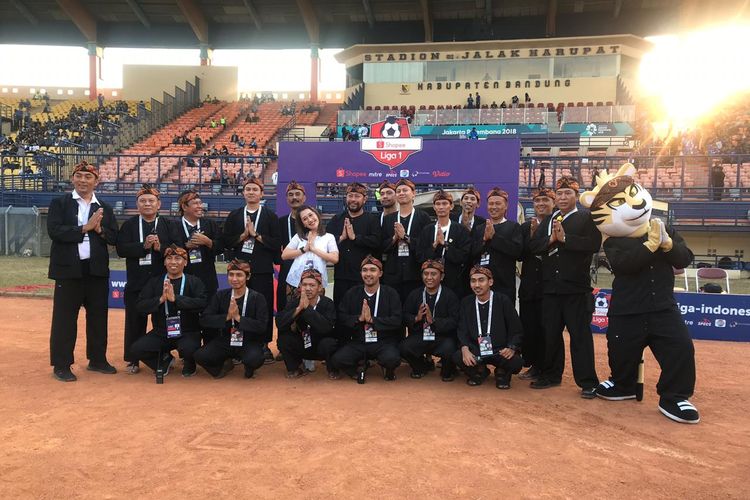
(484, 164)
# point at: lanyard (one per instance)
(377, 301)
(257, 218)
(437, 297)
(185, 227)
(447, 232)
(182, 292)
(244, 303)
(140, 226)
(549, 226)
(489, 316)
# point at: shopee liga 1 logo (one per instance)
(390, 142)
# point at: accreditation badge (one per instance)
(307, 338)
(484, 260)
(371, 335)
(174, 328)
(195, 256)
(428, 333)
(485, 346)
(403, 249)
(236, 337)
(249, 245)
(145, 261)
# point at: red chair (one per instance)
(711, 273)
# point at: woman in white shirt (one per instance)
(311, 247)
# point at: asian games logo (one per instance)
(390, 142)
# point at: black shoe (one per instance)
(249, 372)
(334, 375)
(227, 367)
(189, 369)
(299, 372)
(607, 390)
(389, 374)
(447, 377)
(530, 374)
(63, 374)
(681, 411)
(502, 380)
(103, 367)
(416, 374)
(588, 393)
(267, 356)
(543, 383)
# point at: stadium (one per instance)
(199, 99)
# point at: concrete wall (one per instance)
(580, 89)
(723, 243)
(145, 82)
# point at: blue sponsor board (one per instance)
(599, 129)
(446, 131)
(708, 316)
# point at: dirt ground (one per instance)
(123, 436)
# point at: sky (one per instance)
(259, 70)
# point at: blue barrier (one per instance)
(708, 316)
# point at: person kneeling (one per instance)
(174, 303)
(431, 315)
(372, 315)
(306, 327)
(240, 314)
(489, 333)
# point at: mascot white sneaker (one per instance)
(643, 311)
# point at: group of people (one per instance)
(404, 287)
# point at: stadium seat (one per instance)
(681, 272)
(709, 273)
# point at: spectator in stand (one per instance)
(717, 181)
(213, 123)
(254, 144)
(493, 105)
(100, 99)
(470, 101)
(223, 122)
(344, 133)
(478, 100)
(198, 143)
(215, 177)
(241, 142)
(354, 135)
(224, 150)
(473, 135)
(363, 131)
(235, 138)
(176, 139)
(526, 97)
(332, 134)
(503, 105)
(514, 101)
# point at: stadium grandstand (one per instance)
(557, 75)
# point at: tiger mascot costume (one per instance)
(643, 311)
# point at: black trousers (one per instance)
(340, 287)
(349, 356)
(135, 324)
(533, 332)
(148, 347)
(90, 292)
(574, 312)
(667, 336)
(414, 349)
(281, 287)
(512, 365)
(212, 356)
(263, 284)
(293, 350)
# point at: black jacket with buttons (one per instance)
(644, 281)
(352, 252)
(567, 270)
(531, 272)
(65, 233)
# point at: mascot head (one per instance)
(619, 205)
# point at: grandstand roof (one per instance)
(335, 23)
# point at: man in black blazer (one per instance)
(295, 198)
(80, 226)
(174, 302)
(470, 200)
(239, 314)
(141, 241)
(567, 240)
(306, 327)
(202, 239)
(489, 333)
(431, 315)
(357, 235)
(251, 233)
